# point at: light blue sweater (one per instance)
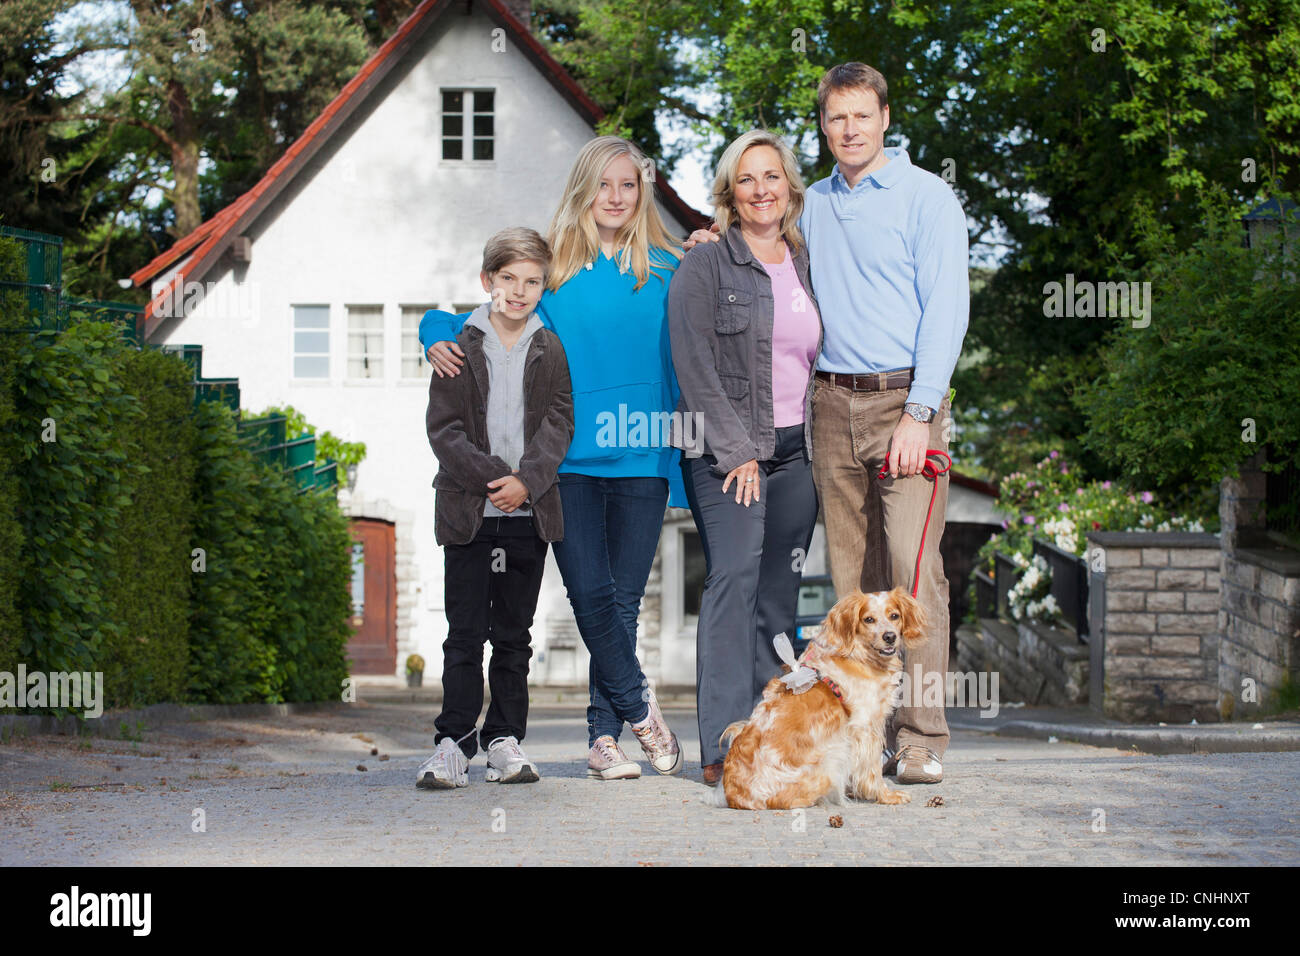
(889, 266)
(621, 366)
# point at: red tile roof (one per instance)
(205, 244)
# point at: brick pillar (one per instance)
(1241, 507)
(1159, 647)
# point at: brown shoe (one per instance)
(712, 773)
(919, 765)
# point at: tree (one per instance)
(1052, 120)
(214, 90)
(40, 176)
(1184, 401)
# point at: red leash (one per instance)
(929, 470)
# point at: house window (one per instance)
(467, 118)
(461, 308)
(413, 361)
(365, 341)
(311, 341)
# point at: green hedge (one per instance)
(270, 610)
(73, 471)
(12, 319)
(110, 479)
(149, 592)
(228, 661)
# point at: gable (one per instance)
(383, 132)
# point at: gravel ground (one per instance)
(289, 790)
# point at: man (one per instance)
(888, 245)
(889, 254)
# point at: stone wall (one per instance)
(1259, 617)
(1036, 664)
(1154, 600)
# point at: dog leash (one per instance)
(929, 470)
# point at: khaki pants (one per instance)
(873, 528)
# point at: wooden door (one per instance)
(373, 647)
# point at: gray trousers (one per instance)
(755, 559)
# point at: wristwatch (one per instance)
(922, 413)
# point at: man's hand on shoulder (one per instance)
(712, 234)
(907, 447)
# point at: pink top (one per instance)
(796, 328)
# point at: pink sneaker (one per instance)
(658, 742)
(606, 761)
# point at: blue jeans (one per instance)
(611, 532)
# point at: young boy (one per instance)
(500, 434)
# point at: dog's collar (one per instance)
(835, 688)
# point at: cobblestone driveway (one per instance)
(281, 790)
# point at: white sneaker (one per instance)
(507, 763)
(447, 769)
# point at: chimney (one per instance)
(521, 10)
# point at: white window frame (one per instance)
(467, 135)
(423, 372)
(379, 355)
(295, 354)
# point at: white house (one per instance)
(310, 287)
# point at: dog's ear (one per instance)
(912, 626)
(842, 622)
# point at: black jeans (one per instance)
(755, 560)
(491, 593)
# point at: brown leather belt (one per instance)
(869, 381)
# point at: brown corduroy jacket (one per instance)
(457, 425)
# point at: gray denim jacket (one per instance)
(720, 319)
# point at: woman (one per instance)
(605, 299)
(745, 338)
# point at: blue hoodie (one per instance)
(620, 362)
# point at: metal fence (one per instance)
(267, 439)
(1069, 586)
(41, 282)
(1282, 502)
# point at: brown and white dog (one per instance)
(825, 743)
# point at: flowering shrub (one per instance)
(1031, 598)
(1051, 502)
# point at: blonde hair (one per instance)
(724, 184)
(514, 244)
(573, 236)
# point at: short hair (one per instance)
(724, 183)
(851, 76)
(512, 245)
